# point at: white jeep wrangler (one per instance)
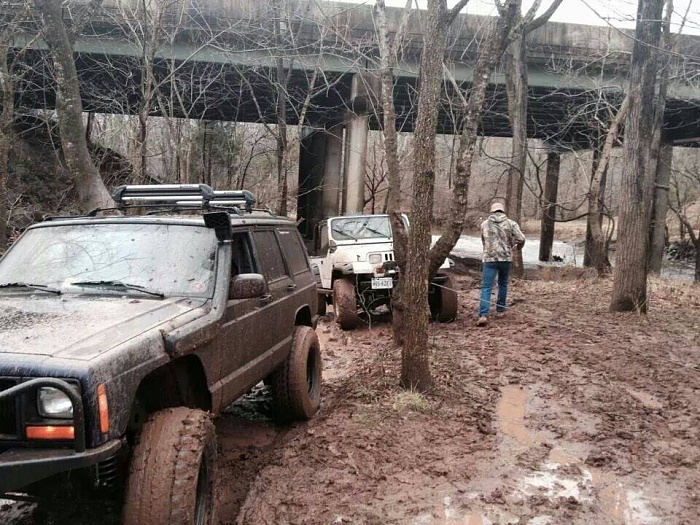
(353, 258)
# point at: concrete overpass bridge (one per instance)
(216, 60)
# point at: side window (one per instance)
(271, 262)
(294, 251)
(242, 258)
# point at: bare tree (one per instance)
(508, 27)
(8, 79)
(630, 275)
(516, 89)
(598, 252)
(69, 109)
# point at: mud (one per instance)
(558, 413)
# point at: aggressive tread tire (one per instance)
(172, 472)
(296, 384)
(345, 304)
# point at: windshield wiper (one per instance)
(40, 287)
(378, 232)
(340, 232)
(119, 285)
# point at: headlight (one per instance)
(375, 258)
(52, 403)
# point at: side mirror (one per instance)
(332, 246)
(247, 286)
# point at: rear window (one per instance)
(270, 256)
(294, 251)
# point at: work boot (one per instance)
(482, 321)
(500, 315)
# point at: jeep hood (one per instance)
(80, 326)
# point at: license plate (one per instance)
(382, 283)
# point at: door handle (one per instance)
(265, 299)
(291, 287)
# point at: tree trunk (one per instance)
(663, 180)
(549, 211)
(509, 25)
(7, 100)
(69, 109)
(596, 247)
(393, 198)
(697, 259)
(467, 142)
(630, 282)
(662, 155)
(415, 364)
(516, 89)
(142, 167)
(588, 250)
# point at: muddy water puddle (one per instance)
(559, 477)
(564, 473)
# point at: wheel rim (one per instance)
(203, 497)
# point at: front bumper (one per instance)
(21, 466)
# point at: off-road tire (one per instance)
(322, 304)
(345, 304)
(447, 303)
(296, 383)
(172, 472)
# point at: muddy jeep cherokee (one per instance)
(121, 335)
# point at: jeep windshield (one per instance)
(361, 228)
(149, 260)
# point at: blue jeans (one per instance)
(490, 270)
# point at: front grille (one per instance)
(8, 411)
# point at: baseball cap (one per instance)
(497, 206)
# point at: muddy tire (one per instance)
(345, 304)
(321, 307)
(444, 309)
(173, 468)
(296, 384)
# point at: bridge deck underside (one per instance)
(200, 90)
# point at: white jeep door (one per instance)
(323, 259)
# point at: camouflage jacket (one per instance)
(500, 235)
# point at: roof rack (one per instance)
(182, 195)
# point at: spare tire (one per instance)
(345, 304)
(296, 383)
(172, 472)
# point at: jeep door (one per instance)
(277, 325)
(239, 337)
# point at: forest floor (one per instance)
(558, 413)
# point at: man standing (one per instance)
(499, 236)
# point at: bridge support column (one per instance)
(312, 152)
(332, 171)
(356, 134)
(320, 169)
(549, 212)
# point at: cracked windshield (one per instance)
(154, 258)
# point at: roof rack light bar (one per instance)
(184, 195)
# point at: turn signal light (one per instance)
(103, 408)
(51, 432)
